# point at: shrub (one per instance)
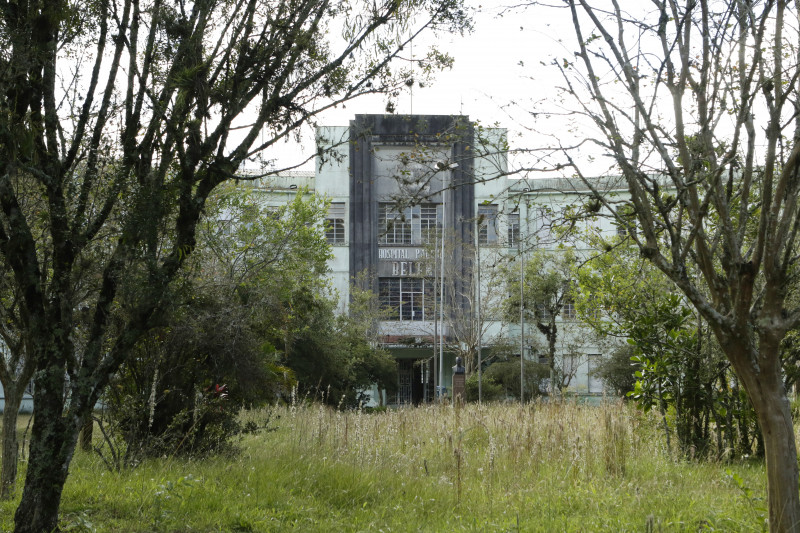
(491, 390)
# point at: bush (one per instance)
(507, 375)
(617, 371)
(491, 390)
(182, 390)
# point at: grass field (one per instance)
(542, 467)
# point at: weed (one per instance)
(538, 467)
(756, 504)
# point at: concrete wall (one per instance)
(441, 159)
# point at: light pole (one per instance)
(478, 305)
(436, 332)
(441, 294)
(447, 168)
(521, 250)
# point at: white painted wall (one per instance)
(531, 198)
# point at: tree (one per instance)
(699, 115)
(16, 371)
(224, 320)
(616, 370)
(369, 363)
(122, 117)
(548, 305)
(679, 367)
(469, 327)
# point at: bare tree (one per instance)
(16, 371)
(549, 308)
(696, 103)
(123, 116)
(471, 328)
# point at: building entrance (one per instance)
(415, 381)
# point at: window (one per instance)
(542, 312)
(407, 298)
(513, 230)
(568, 310)
(415, 224)
(429, 221)
(570, 364)
(394, 227)
(595, 382)
(487, 230)
(544, 225)
(334, 223)
(622, 228)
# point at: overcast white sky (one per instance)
(508, 59)
(499, 62)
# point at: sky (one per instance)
(498, 63)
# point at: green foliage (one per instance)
(252, 314)
(170, 398)
(554, 466)
(548, 288)
(246, 291)
(617, 370)
(491, 390)
(679, 369)
(333, 358)
(501, 380)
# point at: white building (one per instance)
(397, 185)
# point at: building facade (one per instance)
(408, 196)
(419, 206)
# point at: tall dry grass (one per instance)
(502, 467)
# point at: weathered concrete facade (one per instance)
(397, 185)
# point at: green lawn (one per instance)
(562, 467)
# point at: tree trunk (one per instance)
(8, 468)
(53, 440)
(775, 420)
(85, 438)
(764, 386)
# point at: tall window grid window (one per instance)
(542, 312)
(430, 221)
(412, 225)
(544, 225)
(513, 230)
(568, 310)
(487, 231)
(334, 223)
(407, 298)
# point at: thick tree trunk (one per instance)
(764, 386)
(775, 419)
(8, 468)
(53, 441)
